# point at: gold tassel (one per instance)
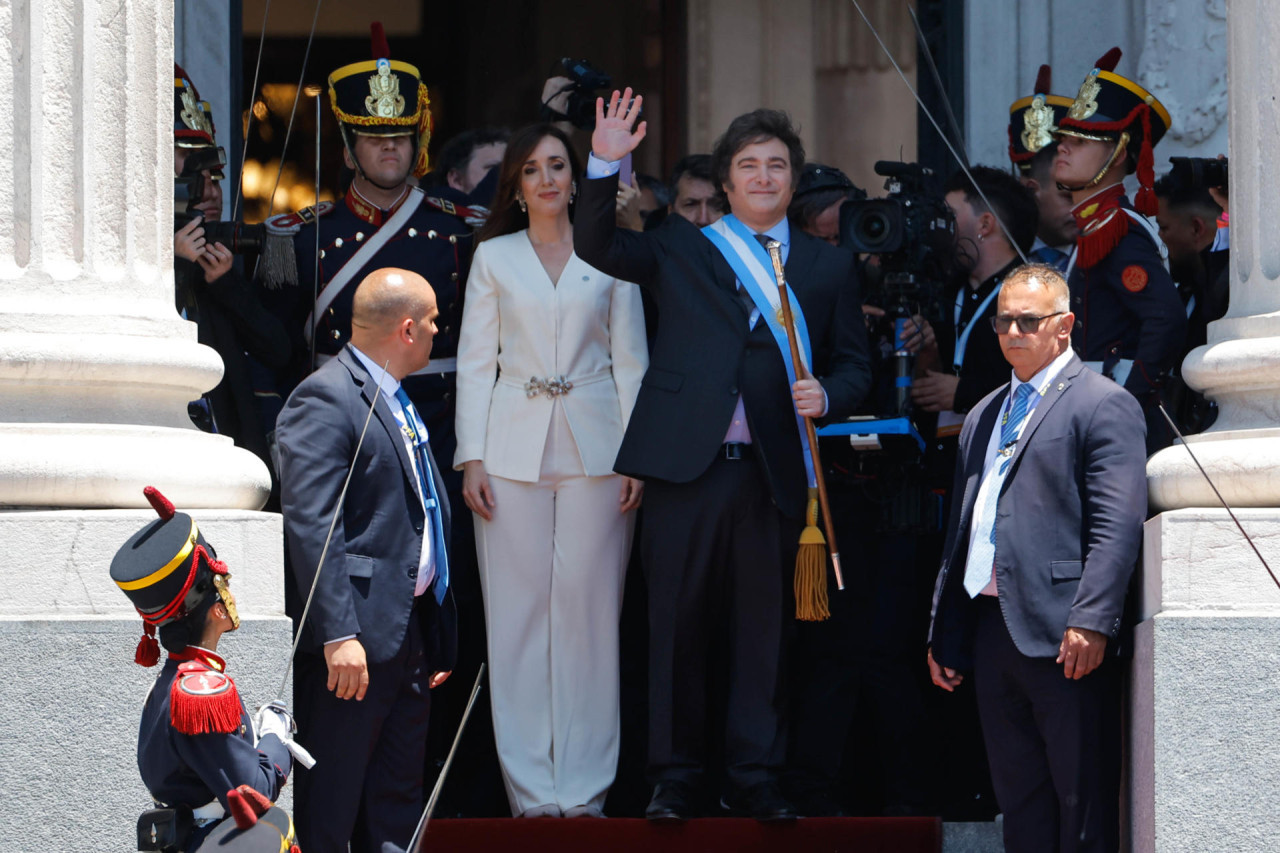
(811, 568)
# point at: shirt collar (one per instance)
(780, 232)
(1041, 380)
(387, 383)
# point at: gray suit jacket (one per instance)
(367, 583)
(1069, 522)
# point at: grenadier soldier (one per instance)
(1032, 148)
(383, 220)
(200, 755)
(208, 289)
(1130, 324)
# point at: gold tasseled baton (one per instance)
(811, 562)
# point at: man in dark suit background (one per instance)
(715, 436)
(1042, 541)
(381, 627)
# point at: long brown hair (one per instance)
(505, 216)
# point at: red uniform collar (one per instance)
(1098, 205)
(199, 655)
(367, 210)
(1103, 224)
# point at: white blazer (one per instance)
(517, 327)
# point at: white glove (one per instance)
(273, 719)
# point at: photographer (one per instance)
(982, 247)
(208, 289)
(858, 724)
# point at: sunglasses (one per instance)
(1026, 325)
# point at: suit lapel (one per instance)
(1057, 388)
(800, 259)
(975, 455)
(370, 392)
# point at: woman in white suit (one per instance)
(550, 358)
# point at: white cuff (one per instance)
(597, 168)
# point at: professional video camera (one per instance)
(188, 189)
(912, 233)
(1199, 172)
(587, 80)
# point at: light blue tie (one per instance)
(982, 561)
(417, 432)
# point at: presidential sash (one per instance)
(752, 265)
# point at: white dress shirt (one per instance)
(992, 475)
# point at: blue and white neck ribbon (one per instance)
(752, 265)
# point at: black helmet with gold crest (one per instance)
(1111, 108)
(170, 573)
(193, 121)
(382, 97)
(1033, 120)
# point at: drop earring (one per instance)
(573, 192)
(524, 206)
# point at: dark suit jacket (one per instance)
(705, 354)
(366, 585)
(1070, 518)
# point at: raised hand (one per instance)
(613, 137)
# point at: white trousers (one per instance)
(552, 563)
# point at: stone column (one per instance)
(1205, 730)
(96, 369)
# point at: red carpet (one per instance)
(710, 835)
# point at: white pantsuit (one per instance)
(547, 377)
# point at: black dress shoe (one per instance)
(762, 802)
(672, 802)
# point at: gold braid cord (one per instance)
(421, 118)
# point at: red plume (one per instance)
(162, 505)
(1109, 60)
(378, 40)
(1044, 80)
(246, 805)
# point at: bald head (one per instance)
(392, 319)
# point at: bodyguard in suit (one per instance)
(381, 626)
(1043, 538)
(715, 435)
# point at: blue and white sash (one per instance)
(754, 269)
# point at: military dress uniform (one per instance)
(208, 771)
(383, 97)
(1032, 122)
(1130, 322)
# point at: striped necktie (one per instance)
(430, 500)
(982, 561)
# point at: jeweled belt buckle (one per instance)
(551, 386)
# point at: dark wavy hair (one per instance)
(505, 216)
(757, 126)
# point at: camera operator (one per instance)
(976, 365)
(209, 290)
(858, 726)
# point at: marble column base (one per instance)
(1204, 734)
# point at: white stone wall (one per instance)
(1174, 48)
